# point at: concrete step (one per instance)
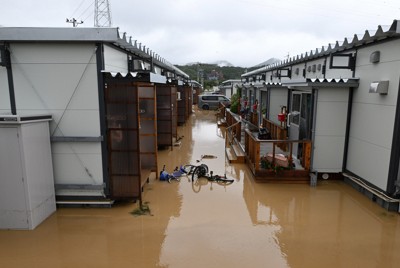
(85, 203)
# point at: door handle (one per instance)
(288, 119)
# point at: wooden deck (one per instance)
(282, 167)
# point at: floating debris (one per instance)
(179, 138)
(206, 156)
(143, 209)
(177, 143)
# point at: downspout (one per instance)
(102, 115)
(348, 123)
(10, 79)
(267, 110)
(347, 134)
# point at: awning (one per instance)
(322, 82)
(140, 76)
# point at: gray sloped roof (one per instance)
(95, 34)
(58, 34)
(370, 36)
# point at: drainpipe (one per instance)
(10, 79)
(348, 124)
(313, 173)
(102, 115)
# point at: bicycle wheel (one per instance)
(224, 182)
(188, 169)
(199, 171)
(196, 185)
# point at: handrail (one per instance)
(274, 141)
(237, 123)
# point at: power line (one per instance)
(86, 9)
(78, 8)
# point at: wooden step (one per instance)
(238, 150)
(235, 155)
(230, 155)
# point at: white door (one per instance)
(294, 120)
(300, 119)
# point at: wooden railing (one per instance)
(233, 122)
(254, 118)
(278, 132)
(221, 110)
(267, 160)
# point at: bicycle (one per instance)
(202, 172)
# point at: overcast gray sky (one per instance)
(243, 32)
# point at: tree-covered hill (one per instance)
(211, 74)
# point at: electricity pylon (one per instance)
(102, 13)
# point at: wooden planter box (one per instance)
(284, 176)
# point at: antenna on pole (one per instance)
(74, 22)
(102, 13)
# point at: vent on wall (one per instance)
(380, 87)
(375, 57)
(314, 68)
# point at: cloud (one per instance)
(243, 32)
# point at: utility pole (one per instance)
(74, 22)
(102, 13)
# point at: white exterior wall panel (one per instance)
(115, 60)
(5, 106)
(61, 80)
(372, 122)
(278, 99)
(331, 118)
(317, 73)
(299, 75)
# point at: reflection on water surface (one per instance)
(241, 225)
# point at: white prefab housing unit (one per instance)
(229, 87)
(26, 179)
(344, 98)
(62, 72)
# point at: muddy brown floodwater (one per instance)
(245, 224)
